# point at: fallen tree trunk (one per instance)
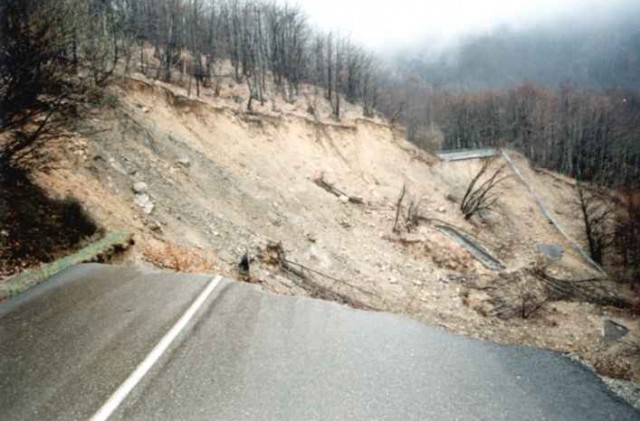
(274, 254)
(588, 290)
(320, 181)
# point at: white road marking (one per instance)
(134, 378)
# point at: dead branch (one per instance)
(396, 230)
(409, 219)
(597, 216)
(320, 181)
(274, 254)
(413, 217)
(317, 272)
(593, 290)
(516, 294)
(528, 291)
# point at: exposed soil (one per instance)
(225, 182)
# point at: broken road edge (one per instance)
(110, 244)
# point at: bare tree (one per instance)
(338, 77)
(330, 61)
(627, 238)
(396, 226)
(44, 46)
(407, 217)
(481, 194)
(597, 216)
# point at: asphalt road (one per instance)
(247, 355)
(66, 344)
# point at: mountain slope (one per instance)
(223, 182)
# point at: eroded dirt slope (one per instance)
(220, 182)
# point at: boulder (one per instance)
(552, 252)
(117, 166)
(613, 331)
(140, 187)
(487, 215)
(144, 201)
(185, 162)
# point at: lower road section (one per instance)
(68, 344)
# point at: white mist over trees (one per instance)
(564, 93)
(597, 57)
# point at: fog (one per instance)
(391, 25)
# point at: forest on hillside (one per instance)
(589, 135)
(54, 49)
(565, 93)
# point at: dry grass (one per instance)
(614, 367)
(179, 258)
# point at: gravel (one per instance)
(629, 391)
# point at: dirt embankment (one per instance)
(201, 182)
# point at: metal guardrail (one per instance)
(463, 154)
(479, 252)
(550, 217)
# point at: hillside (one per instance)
(219, 182)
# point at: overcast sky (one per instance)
(388, 24)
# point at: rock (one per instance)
(442, 210)
(487, 215)
(344, 199)
(144, 201)
(613, 331)
(552, 252)
(392, 280)
(145, 110)
(117, 166)
(140, 187)
(313, 254)
(311, 238)
(345, 223)
(185, 162)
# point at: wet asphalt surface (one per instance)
(67, 344)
